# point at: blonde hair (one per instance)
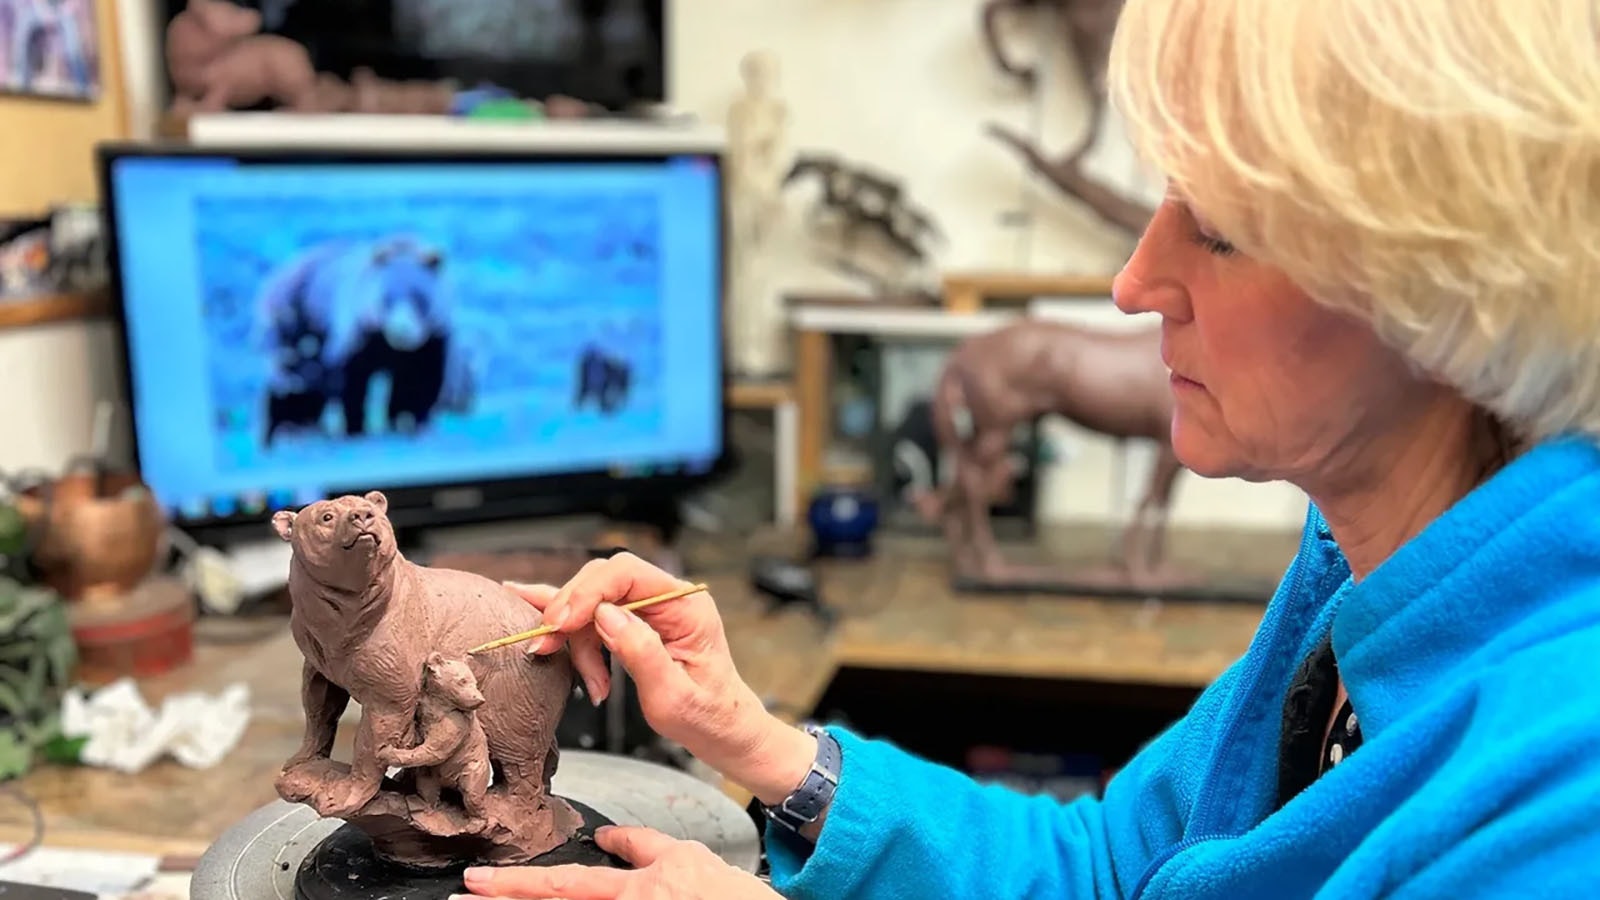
(1433, 165)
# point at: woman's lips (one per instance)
(1181, 383)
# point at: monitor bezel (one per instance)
(466, 501)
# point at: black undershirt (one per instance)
(1303, 754)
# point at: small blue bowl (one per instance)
(842, 521)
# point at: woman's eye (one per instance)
(1202, 234)
(1215, 245)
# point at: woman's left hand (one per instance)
(664, 867)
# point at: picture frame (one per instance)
(50, 49)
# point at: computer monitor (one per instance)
(479, 336)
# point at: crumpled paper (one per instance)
(125, 734)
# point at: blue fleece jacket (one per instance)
(1472, 657)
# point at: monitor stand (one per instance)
(505, 536)
(660, 520)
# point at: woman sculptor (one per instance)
(1377, 270)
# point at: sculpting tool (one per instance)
(543, 630)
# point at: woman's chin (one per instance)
(1201, 452)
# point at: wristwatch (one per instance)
(806, 803)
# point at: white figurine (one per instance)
(758, 160)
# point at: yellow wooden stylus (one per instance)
(543, 630)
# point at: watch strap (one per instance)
(807, 802)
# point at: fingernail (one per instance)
(590, 692)
(516, 585)
(535, 645)
(609, 619)
(603, 829)
(477, 873)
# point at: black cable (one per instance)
(36, 813)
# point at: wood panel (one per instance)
(813, 379)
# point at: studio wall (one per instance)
(904, 86)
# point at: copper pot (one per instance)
(96, 535)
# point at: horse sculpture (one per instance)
(1110, 382)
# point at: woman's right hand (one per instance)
(683, 672)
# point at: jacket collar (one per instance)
(1506, 566)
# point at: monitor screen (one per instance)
(301, 326)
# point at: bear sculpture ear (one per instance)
(376, 498)
(283, 523)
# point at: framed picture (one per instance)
(50, 48)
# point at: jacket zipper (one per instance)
(1248, 682)
(1159, 861)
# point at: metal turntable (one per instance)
(285, 850)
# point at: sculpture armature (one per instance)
(368, 621)
(1110, 382)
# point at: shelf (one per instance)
(234, 130)
(40, 309)
(969, 292)
(918, 322)
(760, 394)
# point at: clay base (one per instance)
(404, 831)
(345, 866)
(1170, 583)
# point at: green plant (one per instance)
(37, 656)
(13, 541)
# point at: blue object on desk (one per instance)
(842, 520)
(471, 98)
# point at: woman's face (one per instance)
(1267, 384)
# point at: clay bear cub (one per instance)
(452, 750)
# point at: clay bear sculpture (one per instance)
(453, 751)
(366, 620)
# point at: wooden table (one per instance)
(895, 609)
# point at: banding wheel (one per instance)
(285, 851)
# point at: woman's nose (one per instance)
(1134, 292)
(1148, 282)
(1129, 292)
